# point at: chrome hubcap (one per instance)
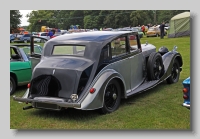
(176, 70)
(114, 96)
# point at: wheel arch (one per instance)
(180, 60)
(95, 101)
(14, 77)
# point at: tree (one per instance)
(14, 19)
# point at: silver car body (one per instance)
(129, 70)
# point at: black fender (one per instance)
(95, 100)
(168, 60)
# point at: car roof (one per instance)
(94, 41)
(95, 36)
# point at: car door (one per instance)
(136, 60)
(19, 66)
(35, 54)
(120, 61)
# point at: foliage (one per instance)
(14, 19)
(63, 19)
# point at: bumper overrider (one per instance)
(48, 103)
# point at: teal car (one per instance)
(186, 92)
(139, 30)
(20, 65)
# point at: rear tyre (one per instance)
(12, 85)
(155, 67)
(175, 73)
(112, 97)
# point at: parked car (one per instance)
(18, 36)
(108, 29)
(43, 35)
(20, 65)
(154, 32)
(135, 29)
(186, 92)
(24, 38)
(139, 30)
(12, 37)
(95, 70)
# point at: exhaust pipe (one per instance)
(27, 107)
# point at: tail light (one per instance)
(92, 90)
(29, 85)
(185, 90)
(185, 96)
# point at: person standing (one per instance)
(143, 29)
(162, 30)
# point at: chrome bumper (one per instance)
(46, 100)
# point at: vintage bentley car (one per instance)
(95, 70)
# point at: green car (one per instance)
(21, 65)
(139, 30)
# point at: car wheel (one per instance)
(175, 73)
(155, 67)
(12, 85)
(157, 35)
(25, 41)
(112, 97)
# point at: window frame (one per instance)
(67, 54)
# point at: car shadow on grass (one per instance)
(138, 96)
(85, 115)
(67, 114)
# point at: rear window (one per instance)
(69, 50)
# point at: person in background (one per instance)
(162, 30)
(50, 34)
(143, 29)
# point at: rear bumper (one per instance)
(48, 100)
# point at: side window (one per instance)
(14, 54)
(133, 42)
(118, 46)
(105, 54)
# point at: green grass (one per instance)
(158, 108)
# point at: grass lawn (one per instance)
(158, 108)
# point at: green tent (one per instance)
(179, 25)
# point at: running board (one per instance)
(143, 87)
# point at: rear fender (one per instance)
(95, 100)
(168, 60)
